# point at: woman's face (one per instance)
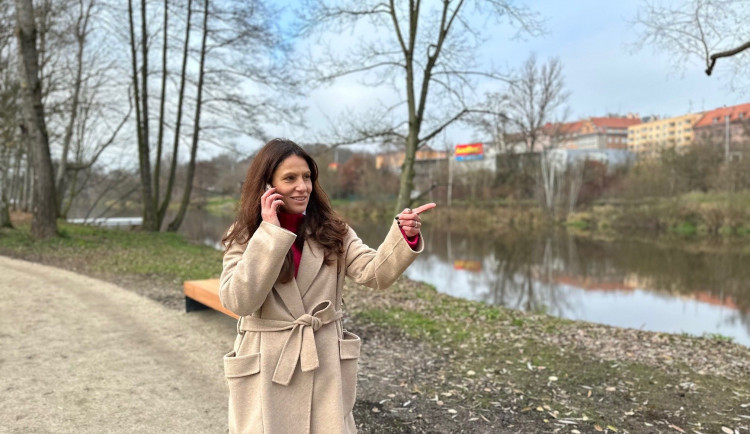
(292, 180)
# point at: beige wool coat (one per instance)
(293, 368)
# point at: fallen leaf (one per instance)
(452, 411)
(677, 428)
(727, 430)
(375, 410)
(598, 428)
(611, 428)
(553, 378)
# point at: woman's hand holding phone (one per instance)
(270, 202)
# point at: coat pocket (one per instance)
(349, 346)
(244, 387)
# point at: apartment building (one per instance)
(606, 132)
(649, 138)
(716, 126)
(592, 133)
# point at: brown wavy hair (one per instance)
(322, 223)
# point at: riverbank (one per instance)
(692, 215)
(433, 363)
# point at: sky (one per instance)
(603, 73)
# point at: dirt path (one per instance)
(81, 355)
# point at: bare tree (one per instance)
(535, 99)
(235, 54)
(43, 222)
(81, 31)
(9, 120)
(177, 221)
(698, 29)
(427, 53)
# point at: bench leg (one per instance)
(191, 305)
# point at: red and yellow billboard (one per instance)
(471, 151)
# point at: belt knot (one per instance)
(309, 320)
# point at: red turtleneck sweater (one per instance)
(291, 222)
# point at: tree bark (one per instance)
(162, 104)
(43, 222)
(81, 33)
(4, 203)
(178, 123)
(177, 221)
(144, 162)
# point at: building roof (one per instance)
(615, 122)
(564, 128)
(733, 112)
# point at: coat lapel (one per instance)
(309, 265)
(291, 297)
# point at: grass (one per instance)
(164, 255)
(523, 363)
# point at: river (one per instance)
(668, 287)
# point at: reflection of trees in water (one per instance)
(205, 228)
(526, 272)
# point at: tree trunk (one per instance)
(43, 222)
(177, 221)
(162, 104)
(4, 206)
(178, 123)
(81, 32)
(144, 162)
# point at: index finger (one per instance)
(424, 208)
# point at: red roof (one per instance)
(615, 122)
(566, 128)
(720, 113)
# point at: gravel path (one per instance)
(81, 355)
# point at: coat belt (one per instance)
(300, 344)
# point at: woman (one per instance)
(293, 368)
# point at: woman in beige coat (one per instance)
(293, 368)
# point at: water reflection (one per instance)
(625, 283)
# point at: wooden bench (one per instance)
(203, 294)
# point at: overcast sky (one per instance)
(603, 73)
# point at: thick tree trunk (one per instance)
(177, 221)
(4, 203)
(43, 222)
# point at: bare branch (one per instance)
(728, 53)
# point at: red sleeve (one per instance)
(411, 242)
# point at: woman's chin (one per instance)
(294, 208)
